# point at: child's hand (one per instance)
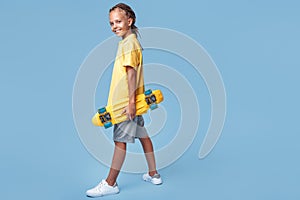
(130, 111)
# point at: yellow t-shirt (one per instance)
(129, 54)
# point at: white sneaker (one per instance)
(102, 189)
(155, 179)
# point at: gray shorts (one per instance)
(128, 130)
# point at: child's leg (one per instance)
(117, 162)
(148, 150)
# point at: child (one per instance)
(127, 82)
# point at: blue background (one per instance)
(255, 45)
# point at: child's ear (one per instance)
(130, 20)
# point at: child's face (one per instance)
(119, 22)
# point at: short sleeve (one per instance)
(131, 54)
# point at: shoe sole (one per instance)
(91, 196)
(157, 182)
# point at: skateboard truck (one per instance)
(150, 99)
(105, 117)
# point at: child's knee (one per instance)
(121, 145)
(145, 139)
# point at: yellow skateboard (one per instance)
(112, 114)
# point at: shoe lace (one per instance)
(100, 185)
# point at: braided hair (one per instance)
(129, 13)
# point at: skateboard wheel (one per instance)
(148, 92)
(107, 125)
(101, 110)
(153, 106)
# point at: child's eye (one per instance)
(119, 21)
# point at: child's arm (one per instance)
(131, 76)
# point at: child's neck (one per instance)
(129, 32)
